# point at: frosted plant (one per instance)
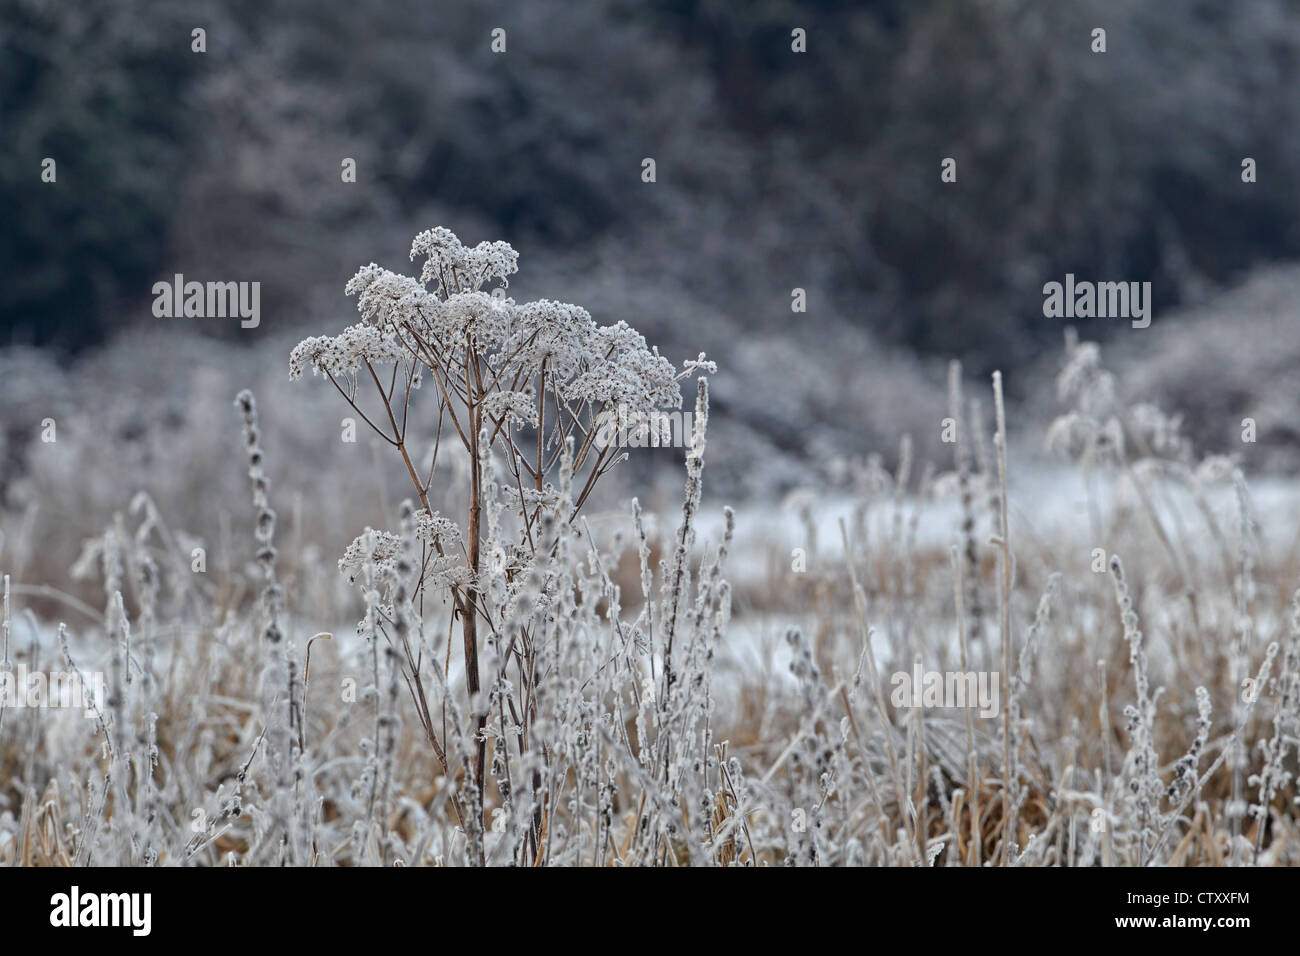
(1274, 777)
(1100, 428)
(1141, 764)
(1090, 432)
(1019, 683)
(522, 384)
(284, 738)
(613, 713)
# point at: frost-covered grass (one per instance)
(535, 682)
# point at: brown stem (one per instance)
(469, 623)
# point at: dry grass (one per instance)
(217, 749)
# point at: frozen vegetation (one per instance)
(475, 634)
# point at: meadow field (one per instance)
(384, 597)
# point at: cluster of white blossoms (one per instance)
(519, 407)
(379, 547)
(382, 550)
(434, 319)
(457, 269)
(499, 364)
(434, 529)
(622, 371)
(550, 332)
(343, 354)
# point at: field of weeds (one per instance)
(517, 660)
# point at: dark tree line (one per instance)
(775, 169)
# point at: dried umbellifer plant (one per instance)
(530, 383)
